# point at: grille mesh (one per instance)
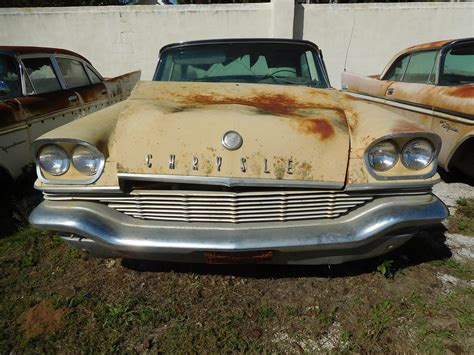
(227, 207)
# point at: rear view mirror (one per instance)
(4, 89)
(199, 57)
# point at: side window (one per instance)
(458, 66)
(73, 73)
(420, 67)
(398, 69)
(41, 73)
(93, 76)
(9, 77)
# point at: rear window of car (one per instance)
(42, 75)
(73, 73)
(458, 65)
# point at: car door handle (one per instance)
(72, 98)
(390, 91)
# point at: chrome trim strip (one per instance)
(11, 130)
(79, 189)
(395, 186)
(229, 182)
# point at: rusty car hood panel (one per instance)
(290, 133)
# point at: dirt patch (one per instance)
(42, 319)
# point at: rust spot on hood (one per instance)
(278, 105)
(318, 126)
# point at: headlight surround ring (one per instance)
(54, 160)
(384, 155)
(87, 159)
(417, 154)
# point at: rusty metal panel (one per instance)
(291, 133)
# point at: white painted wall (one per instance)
(380, 31)
(119, 39)
(123, 38)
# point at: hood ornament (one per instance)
(232, 140)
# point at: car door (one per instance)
(47, 103)
(14, 138)
(413, 82)
(87, 84)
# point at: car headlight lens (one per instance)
(86, 160)
(417, 154)
(54, 160)
(383, 155)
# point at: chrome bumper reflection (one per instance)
(370, 230)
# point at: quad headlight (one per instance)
(417, 154)
(403, 156)
(383, 156)
(86, 160)
(54, 160)
(71, 158)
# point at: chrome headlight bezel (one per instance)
(72, 176)
(401, 172)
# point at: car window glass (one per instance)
(93, 76)
(458, 67)
(398, 69)
(420, 67)
(10, 81)
(73, 73)
(266, 63)
(41, 73)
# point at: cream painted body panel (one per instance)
(325, 133)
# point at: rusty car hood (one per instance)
(289, 132)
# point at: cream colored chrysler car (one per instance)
(431, 83)
(239, 151)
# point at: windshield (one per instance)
(10, 83)
(263, 63)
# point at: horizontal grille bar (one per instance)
(227, 207)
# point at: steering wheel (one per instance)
(283, 70)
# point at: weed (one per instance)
(266, 312)
(386, 269)
(326, 318)
(463, 219)
(379, 319)
(462, 201)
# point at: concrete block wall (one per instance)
(118, 39)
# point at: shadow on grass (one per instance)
(424, 247)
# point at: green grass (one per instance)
(463, 220)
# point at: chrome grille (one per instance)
(227, 207)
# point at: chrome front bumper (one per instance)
(371, 230)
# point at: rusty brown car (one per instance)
(41, 89)
(431, 84)
(239, 151)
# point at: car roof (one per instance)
(436, 45)
(239, 40)
(22, 50)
